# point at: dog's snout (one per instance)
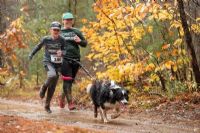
(124, 101)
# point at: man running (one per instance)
(74, 39)
(53, 44)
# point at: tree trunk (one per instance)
(75, 10)
(1, 30)
(1, 16)
(2, 27)
(1, 59)
(69, 6)
(162, 81)
(193, 10)
(189, 43)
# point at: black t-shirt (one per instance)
(72, 49)
(51, 47)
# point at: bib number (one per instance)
(56, 59)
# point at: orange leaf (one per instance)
(14, 58)
(4, 72)
(174, 52)
(22, 73)
(158, 54)
(22, 45)
(165, 46)
(84, 20)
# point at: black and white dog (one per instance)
(107, 95)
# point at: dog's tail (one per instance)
(89, 88)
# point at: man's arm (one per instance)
(83, 42)
(36, 49)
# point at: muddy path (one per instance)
(138, 123)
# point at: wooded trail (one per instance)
(138, 123)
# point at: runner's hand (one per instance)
(30, 57)
(59, 53)
(77, 39)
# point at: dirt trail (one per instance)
(84, 119)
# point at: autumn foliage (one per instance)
(13, 39)
(138, 44)
(120, 39)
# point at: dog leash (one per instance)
(81, 65)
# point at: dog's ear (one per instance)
(114, 90)
(107, 83)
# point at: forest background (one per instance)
(151, 47)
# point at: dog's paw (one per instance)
(95, 115)
(105, 121)
(114, 116)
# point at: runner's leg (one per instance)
(52, 78)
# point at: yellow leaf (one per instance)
(164, 15)
(178, 42)
(180, 61)
(150, 29)
(90, 56)
(168, 64)
(154, 77)
(146, 87)
(175, 24)
(183, 52)
(175, 68)
(150, 67)
(198, 19)
(196, 28)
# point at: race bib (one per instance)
(56, 59)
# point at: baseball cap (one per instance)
(55, 25)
